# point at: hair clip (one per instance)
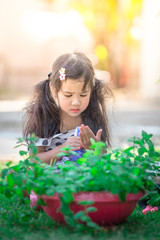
(62, 74)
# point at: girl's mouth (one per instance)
(75, 110)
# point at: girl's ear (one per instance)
(53, 90)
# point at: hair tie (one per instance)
(49, 75)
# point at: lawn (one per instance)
(18, 221)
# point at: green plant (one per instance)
(119, 171)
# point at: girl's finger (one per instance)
(74, 138)
(74, 145)
(85, 137)
(87, 132)
(90, 133)
(81, 137)
(76, 148)
(83, 134)
(98, 135)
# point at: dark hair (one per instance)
(42, 113)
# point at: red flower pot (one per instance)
(110, 209)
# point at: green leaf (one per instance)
(93, 143)
(81, 161)
(67, 197)
(122, 196)
(10, 181)
(70, 221)
(87, 202)
(150, 144)
(8, 193)
(93, 225)
(94, 171)
(40, 202)
(9, 163)
(67, 148)
(73, 153)
(79, 215)
(19, 192)
(91, 209)
(144, 134)
(33, 148)
(65, 209)
(22, 153)
(4, 172)
(136, 171)
(142, 150)
(128, 150)
(85, 218)
(50, 191)
(16, 168)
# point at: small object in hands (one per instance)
(62, 74)
(80, 152)
(149, 208)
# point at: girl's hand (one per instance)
(73, 142)
(85, 135)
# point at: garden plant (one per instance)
(118, 171)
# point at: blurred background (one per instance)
(122, 39)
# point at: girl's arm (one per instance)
(46, 157)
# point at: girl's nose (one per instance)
(76, 101)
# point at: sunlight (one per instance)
(136, 29)
(42, 25)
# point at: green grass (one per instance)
(18, 221)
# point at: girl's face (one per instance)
(71, 98)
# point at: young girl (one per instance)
(70, 97)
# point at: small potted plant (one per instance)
(99, 189)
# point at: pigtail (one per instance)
(42, 113)
(96, 115)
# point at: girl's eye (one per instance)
(84, 95)
(80, 95)
(68, 95)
